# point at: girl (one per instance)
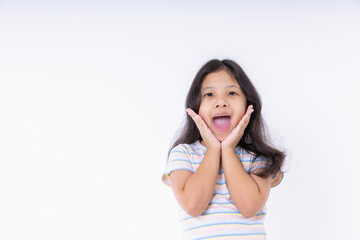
(221, 167)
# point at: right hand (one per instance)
(210, 141)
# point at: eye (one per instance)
(208, 95)
(232, 93)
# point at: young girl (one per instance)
(221, 167)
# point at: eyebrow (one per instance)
(230, 86)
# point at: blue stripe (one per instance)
(221, 183)
(282, 177)
(232, 235)
(183, 160)
(254, 168)
(217, 224)
(261, 213)
(174, 151)
(222, 194)
(179, 159)
(219, 192)
(175, 169)
(257, 160)
(191, 153)
(220, 203)
(196, 148)
(209, 214)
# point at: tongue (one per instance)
(221, 122)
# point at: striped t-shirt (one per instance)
(221, 219)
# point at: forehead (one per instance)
(219, 79)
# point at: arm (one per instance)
(194, 191)
(248, 191)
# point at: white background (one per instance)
(92, 94)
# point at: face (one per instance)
(223, 103)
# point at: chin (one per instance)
(221, 138)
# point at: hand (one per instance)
(237, 133)
(210, 141)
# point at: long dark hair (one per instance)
(254, 139)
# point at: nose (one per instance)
(221, 103)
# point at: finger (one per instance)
(197, 119)
(247, 116)
(249, 111)
(250, 108)
(191, 112)
(245, 119)
(201, 125)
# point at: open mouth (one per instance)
(222, 122)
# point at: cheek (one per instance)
(204, 113)
(201, 110)
(239, 116)
(242, 113)
(242, 110)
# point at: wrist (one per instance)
(227, 151)
(228, 145)
(213, 150)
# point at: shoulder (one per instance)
(245, 155)
(250, 156)
(181, 157)
(188, 149)
(182, 148)
(250, 160)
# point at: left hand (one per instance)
(237, 133)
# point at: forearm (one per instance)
(200, 186)
(243, 189)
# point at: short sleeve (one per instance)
(259, 163)
(179, 159)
